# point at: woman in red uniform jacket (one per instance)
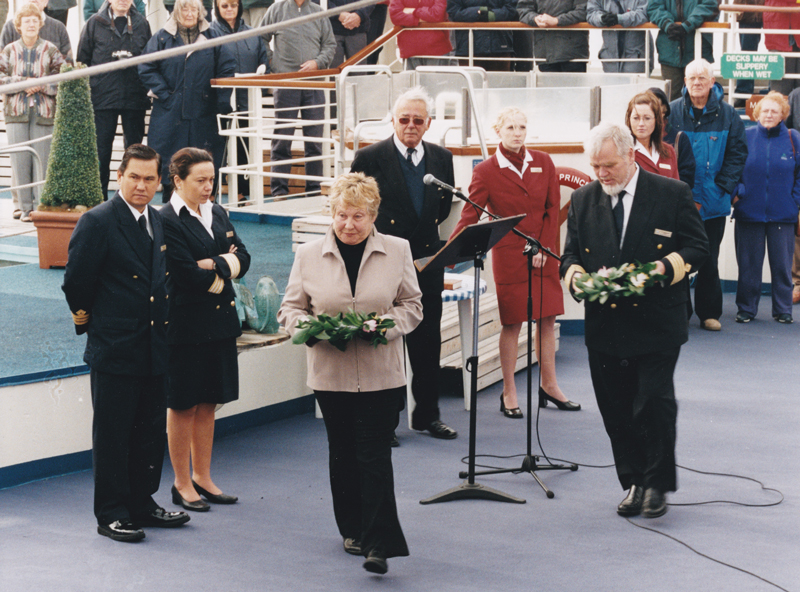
(646, 123)
(517, 181)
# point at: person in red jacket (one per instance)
(646, 123)
(783, 42)
(418, 47)
(518, 181)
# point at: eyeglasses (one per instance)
(406, 120)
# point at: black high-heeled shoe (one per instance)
(215, 498)
(564, 406)
(198, 506)
(514, 413)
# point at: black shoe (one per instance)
(374, 563)
(124, 531)
(632, 504)
(564, 406)
(513, 413)
(198, 506)
(743, 317)
(394, 442)
(655, 503)
(352, 546)
(160, 518)
(784, 318)
(215, 498)
(437, 430)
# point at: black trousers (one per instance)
(128, 439)
(424, 350)
(707, 285)
(105, 120)
(359, 428)
(636, 398)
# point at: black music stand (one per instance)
(472, 244)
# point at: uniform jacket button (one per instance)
(217, 306)
(613, 305)
(233, 303)
(152, 299)
(660, 247)
(136, 277)
(152, 323)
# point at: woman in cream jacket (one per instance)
(356, 268)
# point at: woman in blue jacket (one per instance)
(251, 58)
(766, 205)
(185, 106)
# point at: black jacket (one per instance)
(664, 225)
(202, 302)
(100, 39)
(115, 284)
(396, 215)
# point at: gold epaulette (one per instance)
(216, 287)
(679, 267)
(571, 272)
(80, 317)
(233, 262)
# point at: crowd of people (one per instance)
(667, 180)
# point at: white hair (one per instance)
(619, 134)
(198, 4)
(701, 66)
(416, 93)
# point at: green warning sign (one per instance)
(748, 66)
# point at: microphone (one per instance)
(431, 180)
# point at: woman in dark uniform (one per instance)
(204, 254)
(517, 181)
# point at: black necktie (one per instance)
(619, 215)
(143, 226)
(410, 155)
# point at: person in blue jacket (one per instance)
(251, 57)
(720, 150)
(488, 44)
(766, 205)
(185, 106)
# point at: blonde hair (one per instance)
(505, 115)
(29, 9)
(357, 191)
(773, 95)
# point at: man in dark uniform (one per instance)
(413, 211)
(630, 215)
(115, 286)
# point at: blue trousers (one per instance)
(750, 238)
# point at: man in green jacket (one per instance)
(678, 20)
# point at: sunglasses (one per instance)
(227, 6)
(406, 120)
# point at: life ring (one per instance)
(572, 178)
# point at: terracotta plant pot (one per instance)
(54, 230)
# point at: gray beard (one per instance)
(612, 189)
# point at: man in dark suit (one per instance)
(413, 211)
(115, 287)
(630, 215)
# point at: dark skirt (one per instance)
(202, 373)
(359, 429)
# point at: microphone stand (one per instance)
(530, 463)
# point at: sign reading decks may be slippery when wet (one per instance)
(749, 66)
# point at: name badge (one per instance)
(163, 248)
(536, 169)
(666, 233)
(664, 166)
(229, 234)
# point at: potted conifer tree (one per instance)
(72, 183)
